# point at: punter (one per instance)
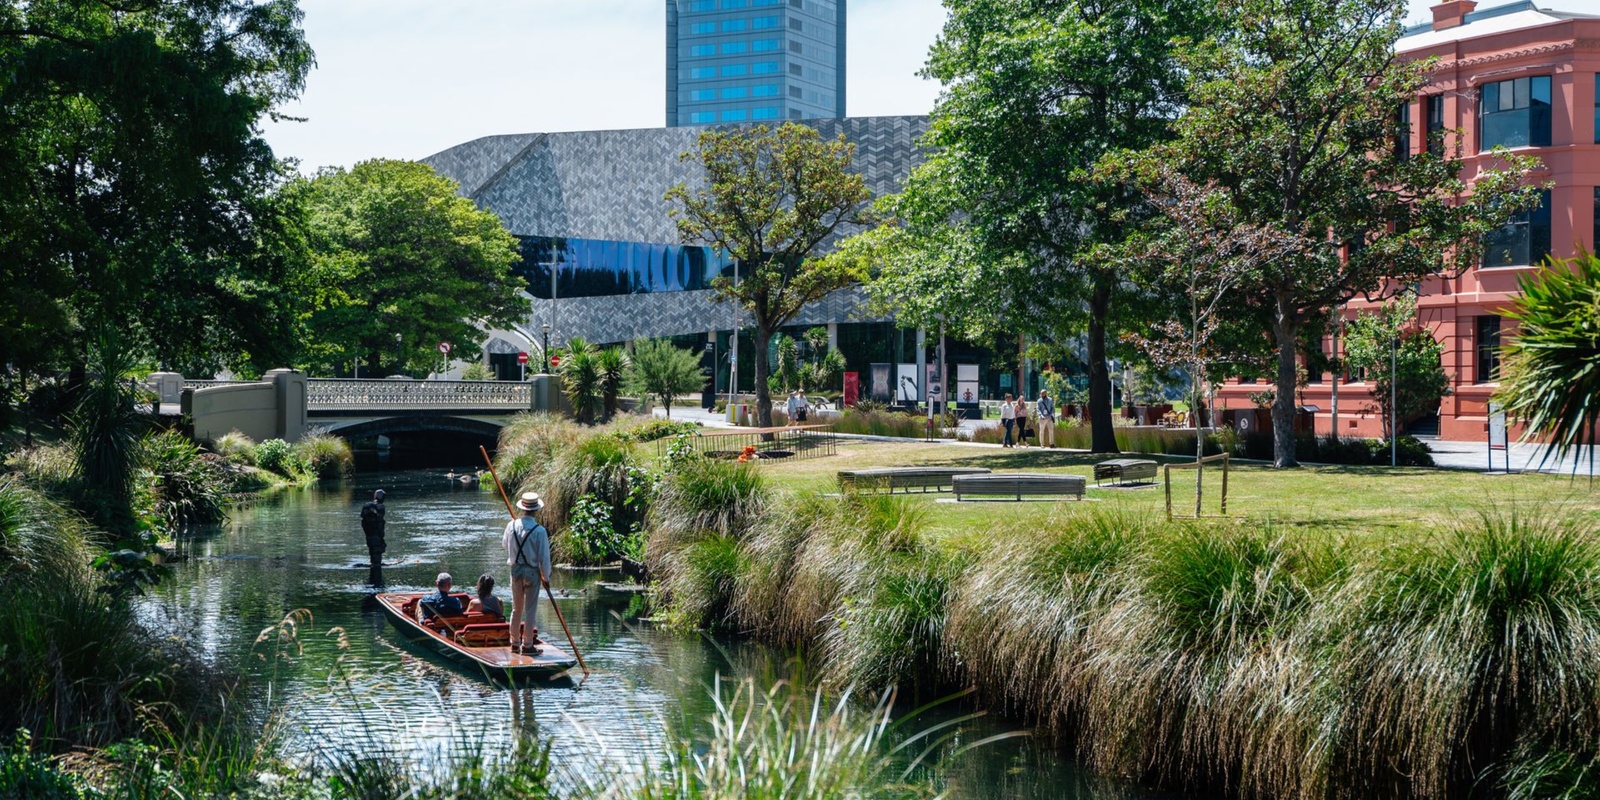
(527, 546)
(372, 524)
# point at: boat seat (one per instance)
(484, 634)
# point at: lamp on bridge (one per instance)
(546, 328)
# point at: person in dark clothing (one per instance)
(441, 602)
(372, 523)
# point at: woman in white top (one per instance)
(1008, 418)
(527, 546)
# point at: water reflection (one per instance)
(305, 549)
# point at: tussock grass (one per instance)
(528, 447)
(327, 457)
(236, 447)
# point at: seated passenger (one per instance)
(441, 603)
(486, 602)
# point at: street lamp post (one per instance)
(1394, 408)
(546, 328)
(397, 357)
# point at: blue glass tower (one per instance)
(754, 60)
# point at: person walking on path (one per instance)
(1008, 419)
(527, 546)
(372, 524)
(792, 408)
(1046, 409)
(1022, 420)
(802, 407)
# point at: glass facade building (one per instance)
(569, 267)
(754, 60)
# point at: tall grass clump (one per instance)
(881, 423)
(324, 456)
(236, 447)
(49, 468)
(1189, 652)
(784, 743)
(1020, 619)
(185, 488)
(701, 494)
(1457, 654)
(529, 444)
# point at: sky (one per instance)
(408, 78)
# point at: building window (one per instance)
(702, 95)
(727, 4)
(1514, 113)
(1594, 244)
(1433, 104)
(766, 45)
(1597, 108)
(732, 48)
(733, 115)
(764, 90)
(764, 112)
(702, 72)
(796, 69)
(702, 117)
(794, 91)
(794, 47)
(1402, 132)
(734, 93)
(796, 25)
(764, 67)
(703, 5)
(733, 70)
(764, 22)
(729, 25)
(794, 113)
(703, 50)
(703, 28)
(1488, 346)
(1523, 241)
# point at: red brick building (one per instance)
(1522, 75)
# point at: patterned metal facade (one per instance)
(611, 185)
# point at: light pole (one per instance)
(397, 358)
(546, 328)
(1394, 408)
(733, 354)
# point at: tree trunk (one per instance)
(760, 340)
(1287, 333)
(1103, 437)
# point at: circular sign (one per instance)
(522, 358)
(555, 361)
(444, 347)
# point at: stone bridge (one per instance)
(285, 405)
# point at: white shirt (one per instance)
(1008, 411)
(535, 545)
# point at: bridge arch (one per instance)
(402, 424)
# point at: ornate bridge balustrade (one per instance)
(333, 394)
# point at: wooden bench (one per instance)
(1125, 470)
(889, 479)
(1018, 485)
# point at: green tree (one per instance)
(1293, 124)
(1008, 227)
(396, 252)
(773, 199)
(611, 367)
(580, 378)
(1551, 373)
(133, 175)
(1418, 379)
(665, 371)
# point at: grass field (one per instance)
(1342, 500)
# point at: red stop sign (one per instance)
(555, 361)
(522, 358)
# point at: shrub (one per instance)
(186, 489)
(658, 429)
(278, 456)
(326, 457)
(708, 495)
(51, 469)
(27, 775)
(591, 537)
(476, 371)
(236, 447)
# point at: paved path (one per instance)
(1523, 458)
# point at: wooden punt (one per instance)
(494, 660)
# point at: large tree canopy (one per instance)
(1293, 125)
(773, 199)
(1008, 225)
(395, 251)
(132, 174)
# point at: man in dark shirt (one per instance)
(372, 523)
(441, 602)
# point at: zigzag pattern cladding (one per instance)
(611, 185)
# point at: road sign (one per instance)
(555, 361)
(1497, 427)
(522, 358)
(444, 348)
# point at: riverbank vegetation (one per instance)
(1349, 632)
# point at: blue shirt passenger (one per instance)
(441, 602)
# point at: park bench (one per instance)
(1125, 470)
(889, 479)
(1018, 485)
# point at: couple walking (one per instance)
(1014, 418)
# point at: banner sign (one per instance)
(852, 388)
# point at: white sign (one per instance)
(907, 389)
(966, 383)
(444, 348)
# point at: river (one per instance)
(348, 680)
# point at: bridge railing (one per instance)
(338, 393)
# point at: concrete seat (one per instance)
(1018, 485)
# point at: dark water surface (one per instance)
(304, 550)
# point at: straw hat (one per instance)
(530, 501)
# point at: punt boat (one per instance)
(475, 641)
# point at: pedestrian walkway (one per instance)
(1522, 457)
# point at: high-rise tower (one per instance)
(754, 60)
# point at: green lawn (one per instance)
(1342, 500)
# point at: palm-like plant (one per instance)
(611, 366)
(106, 428)
(580, 378)
(1551, 370)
